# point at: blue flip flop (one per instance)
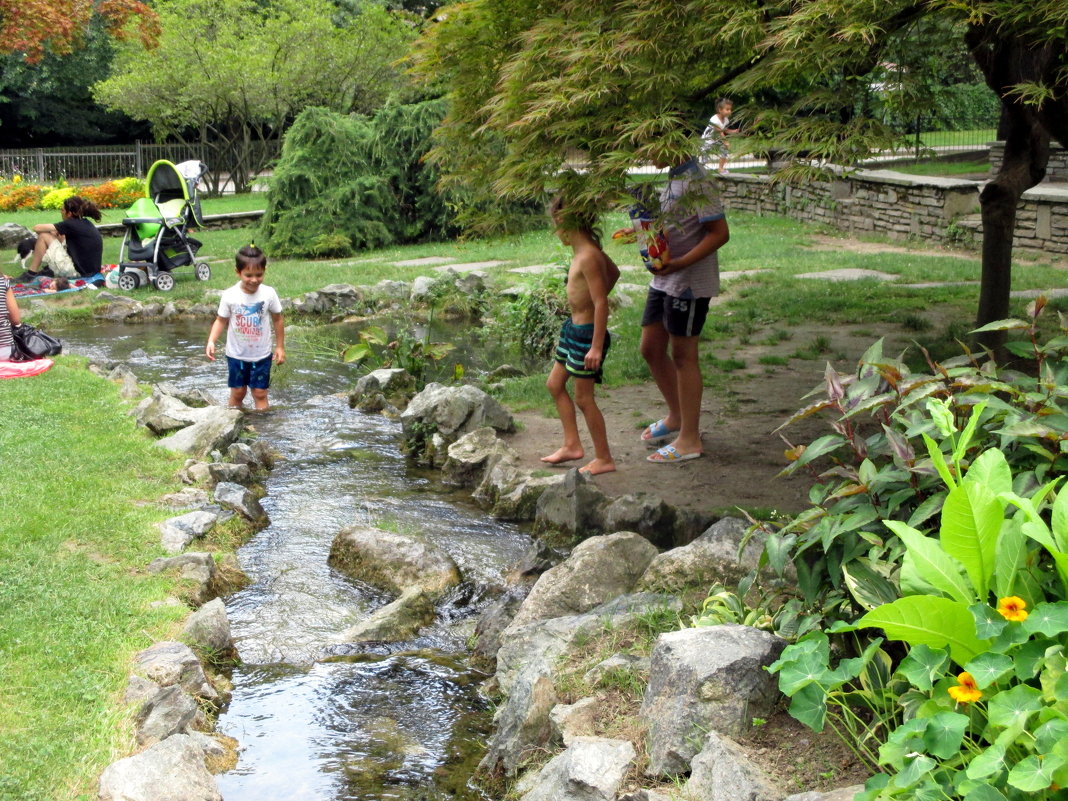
(668, 455)
(658, 433)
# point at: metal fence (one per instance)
(97, 163)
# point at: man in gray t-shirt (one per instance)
(677, 305)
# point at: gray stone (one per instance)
(453, 411)
(13, 233)
(241, 500)
(711, 558)
(591, 769)
(701, 680)
(724, 772)
(187, 498)
(211, 433)
(229, 473)
(393, 290)
(574, 506)
(423, 287)
(394, 562)
(139, 690)
(172, 770)
(495, 619)
(630, 663)
(470, 454)
(209, 630)
(568, 721)
(177, 532)
(395, 622)
(170, 711)
(168, 663)
(240, 453)
(504, 371)
(545, 641)
(646, 514)
(521, 723)
(598, 570)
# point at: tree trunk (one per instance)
(1005, 62)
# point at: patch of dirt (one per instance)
(800, 760)
(824, 242)
(739, 414)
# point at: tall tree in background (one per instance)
(535, 83)
(232, 74)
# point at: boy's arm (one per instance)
(279, 338)
(216, 331)
(596, 283)
(716, 236)
(611, 273)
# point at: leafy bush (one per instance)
(995, 727)
(17, 196)
(56, 197)
(346, 183)
(876, 465)
(532, 320)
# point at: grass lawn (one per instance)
(74, 540)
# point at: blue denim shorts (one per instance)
(256, 375)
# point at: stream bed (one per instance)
(316, 719)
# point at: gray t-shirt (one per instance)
(688, 200)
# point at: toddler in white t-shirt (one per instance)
(244, 310)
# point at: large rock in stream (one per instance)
(172, 770)
(451, 412)
(393, 562)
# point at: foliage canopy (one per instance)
(233, 73)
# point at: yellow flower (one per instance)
(16, 179)
(1013, 608)
(966, 692)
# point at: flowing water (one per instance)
(319, 720)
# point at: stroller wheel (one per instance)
(164, 282)
(203, 271)
(129, 281)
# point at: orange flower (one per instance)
(966, 692)
(1013, 608)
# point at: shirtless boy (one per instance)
(584, 339)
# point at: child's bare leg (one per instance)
(259, 397)
(40, 248)
(602, 462)
(565, 408)
(237, 396)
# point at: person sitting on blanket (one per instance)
(72, 247)
(9, 315)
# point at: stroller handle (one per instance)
(170, 222)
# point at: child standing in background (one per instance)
(243, 312)
(715, 134)
(584, 339)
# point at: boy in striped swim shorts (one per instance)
(584, 339)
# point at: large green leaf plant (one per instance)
(977, 709)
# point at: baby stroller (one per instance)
(156, 240)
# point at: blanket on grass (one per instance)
(35, 288)
(23, 369)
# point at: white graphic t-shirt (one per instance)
(248, 336)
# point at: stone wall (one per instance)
(899, 206)
(1056, 168)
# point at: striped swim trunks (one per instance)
(575, 342)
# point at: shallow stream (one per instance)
(318, 720)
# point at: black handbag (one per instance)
(33, 343)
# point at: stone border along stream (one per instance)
(641, 550)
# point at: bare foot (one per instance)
(564, 454)
(598, 466)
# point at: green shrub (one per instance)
(346, 183)
(876, 467)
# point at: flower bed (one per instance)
(17, 195)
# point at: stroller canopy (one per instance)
(167, 181)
